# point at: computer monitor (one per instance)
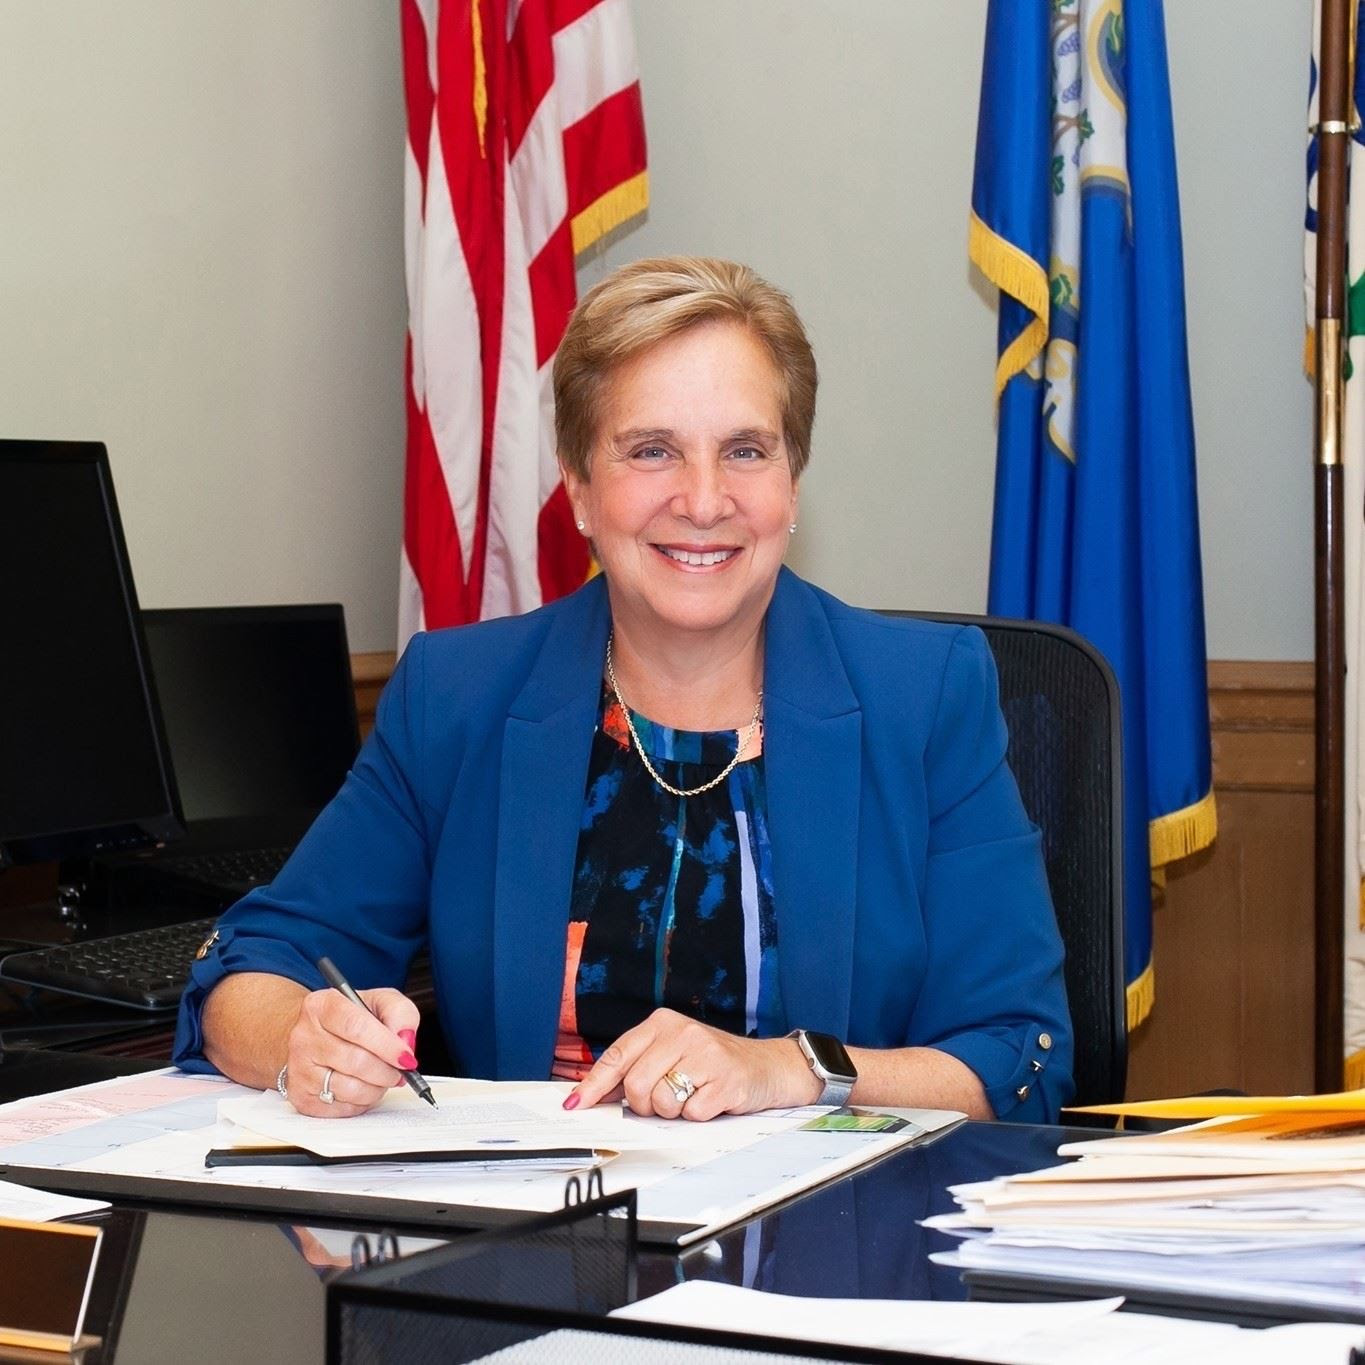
(83, 760)
(258, 704)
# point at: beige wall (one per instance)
(201, 264)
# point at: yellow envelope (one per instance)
(1220, 1106)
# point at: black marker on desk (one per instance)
(338, 982)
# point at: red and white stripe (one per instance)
(525, 145)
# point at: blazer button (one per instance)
(1022, 1092)
(1045, 1041)
(1036, 1065)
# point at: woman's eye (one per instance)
(745, 453)
(651, 454)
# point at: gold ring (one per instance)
(681, 1084)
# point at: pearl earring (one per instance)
(791, 530)
(580, 524)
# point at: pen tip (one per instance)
(430, 1099)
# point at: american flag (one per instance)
(525, 146)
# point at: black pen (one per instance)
(330, 970)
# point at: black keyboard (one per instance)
(238, 871)
(146, 969)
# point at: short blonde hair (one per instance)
(646, 302)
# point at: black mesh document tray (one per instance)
(538, 1291)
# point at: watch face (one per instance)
(832, 1056)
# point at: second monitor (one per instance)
(259, 710)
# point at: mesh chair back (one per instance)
(1061, 703)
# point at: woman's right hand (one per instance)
(365, 1052)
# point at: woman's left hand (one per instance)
(729, 1075)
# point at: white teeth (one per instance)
(697, 558)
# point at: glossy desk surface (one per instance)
(220, 1289)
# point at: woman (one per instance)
(682, 834)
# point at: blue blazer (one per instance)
(912, 903)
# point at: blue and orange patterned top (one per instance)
(673, 896)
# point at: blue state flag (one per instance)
(1075, 217)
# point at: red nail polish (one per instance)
(572, 1101)
(407, 1062)
(409, 1036)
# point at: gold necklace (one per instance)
(744, 741)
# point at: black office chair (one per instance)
(1061, 703)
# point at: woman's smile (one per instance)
(692, 557)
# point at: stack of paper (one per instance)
(1265, 1206)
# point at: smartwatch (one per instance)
(831, 1063)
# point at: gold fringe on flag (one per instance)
(619, 205)
(1141, 997)
(1182, 832)
(1021, 277)
(1171, 837)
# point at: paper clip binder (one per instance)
(384, 1249)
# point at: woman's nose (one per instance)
(703, 499)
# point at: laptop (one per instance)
(259, 712)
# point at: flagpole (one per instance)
(1333, 134)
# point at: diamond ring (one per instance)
(681, 1084)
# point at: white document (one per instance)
(891, 1324)
(465, 1120)
(1078, 1333)
(1321, 1280)
(1122, 1166)
(512, 1116)
(38, 1206)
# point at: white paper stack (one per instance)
(1267, 1209)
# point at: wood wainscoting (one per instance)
(1234, 927)
(370, 672)
(1234, 931)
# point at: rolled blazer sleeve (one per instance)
(356, 889)
(993, 994)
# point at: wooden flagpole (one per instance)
(1334, 138)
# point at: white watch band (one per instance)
(835, 1092)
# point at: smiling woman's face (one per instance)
(691, 494)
